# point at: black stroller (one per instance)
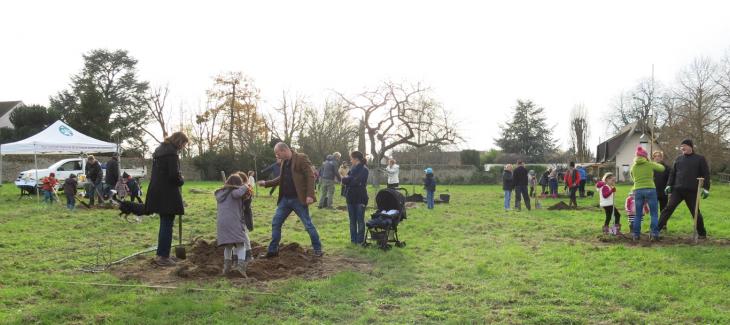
(382, 228)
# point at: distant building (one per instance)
(621, 149)
(5, 109)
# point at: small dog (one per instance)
(126, 208)
(589, 193)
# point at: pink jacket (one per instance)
(631, 207)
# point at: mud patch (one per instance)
(665, 241)
(205, 262)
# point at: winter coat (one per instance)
(507, 181)
(164, 194)
(661, 178)
(686, 170)
(48, 183)
(544, 178)
(230, 225)
(69, 187)
(572, 178)
(606, 194)
(133, 187)
(642, 172)
(355, 183)
(93, 172)
(112, 172)
(393, 172)
(329, 169)
(429, 183)
(302, 174)
(519, 176)
(583, 173)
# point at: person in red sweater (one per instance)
(49, 188)
(572, 181)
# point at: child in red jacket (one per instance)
(631, 209)
(572, 181)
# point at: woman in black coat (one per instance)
(164, 195)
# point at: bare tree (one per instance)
(328, 130)
(395, 114)
(639, 104)
(288, 121)
(155, 101)
(579, 133)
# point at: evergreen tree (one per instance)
(527, 134)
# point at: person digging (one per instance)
(683, 185)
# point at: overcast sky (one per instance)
(478, 58)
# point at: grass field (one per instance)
(465, 262)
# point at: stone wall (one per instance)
(14, 164)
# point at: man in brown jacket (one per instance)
(296, 193)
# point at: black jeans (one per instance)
(164, 237)
(663, 198)
(616, 214)
(689, 198)
(573, 201)
(521, 192)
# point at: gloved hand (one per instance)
(705, 193)
(667, 190)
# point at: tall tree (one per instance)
(579, 133)
(235, 94)
(155, 102)
(527, 134)
(639, 104)
(106, 91)
(29, 120)
(401, 115)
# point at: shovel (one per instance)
(180, 249)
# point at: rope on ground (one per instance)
(120, 285)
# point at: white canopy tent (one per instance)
(59, 138)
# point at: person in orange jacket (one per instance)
(572, 181)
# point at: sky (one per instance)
(478, 57)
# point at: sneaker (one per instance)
(163, 261)
(318, 253)
(605, 230)
(269, 255)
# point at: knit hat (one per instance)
(428, 170)
(688, 142)
(641, 152)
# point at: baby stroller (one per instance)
(382, 228)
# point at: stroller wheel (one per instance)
(400, 244)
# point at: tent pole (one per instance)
(35, 159)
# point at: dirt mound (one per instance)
(205, 262)
(560, 206)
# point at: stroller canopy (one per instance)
(391, 199)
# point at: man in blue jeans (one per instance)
(296, 193)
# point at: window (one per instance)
(69, 166)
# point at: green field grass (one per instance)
(465, 262)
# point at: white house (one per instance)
(5, 109)
(621, 148)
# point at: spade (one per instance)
(180, 249)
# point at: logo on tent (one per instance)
(65, 131)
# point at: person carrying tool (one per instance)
(48, 186)
(683, 185)
(164, 194)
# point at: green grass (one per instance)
(466, 262)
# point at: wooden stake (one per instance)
(700, 182)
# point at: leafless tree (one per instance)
(328, 130)
(155, 101)
(287, 122)
(639, 104)
(579, 133)
(233, 91)
(396, 114)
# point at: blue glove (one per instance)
(667, 190)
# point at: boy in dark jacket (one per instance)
(429, 184)
(69, 189)
(133, 186)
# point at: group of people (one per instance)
(518, 179)
(657, 189)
